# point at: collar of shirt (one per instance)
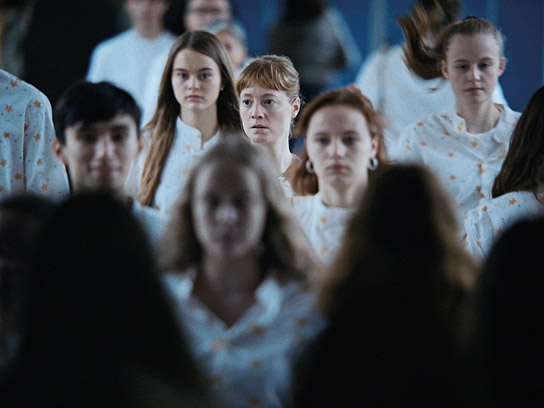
(269, 294)
(193, 137)
(323, 214)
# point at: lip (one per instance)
(104, 171)
(337, 168)
(193, 97)
(259, 127)
(473, 89)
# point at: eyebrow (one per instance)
(199, 70)
(266, 95)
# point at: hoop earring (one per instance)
(373, 163)
(309, 167)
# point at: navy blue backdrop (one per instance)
(372, 22)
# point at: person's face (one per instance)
(267, 114)
(201, 13)
(99, 154)
(196, 81)
(473, 66)
(146, 11)
(339, 145)
(229, 210)
(236, 50)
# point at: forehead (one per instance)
(337, 118)
(226, 177)
(256, 89)
(193, 60)
(472, 46)
(226, 37)
(222, 5)
(121, 121)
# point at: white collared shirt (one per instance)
(27, 163)
(484, 224)
(465, 163)
(400, 95)
(248, 364)
(324, 226)
(185, 151)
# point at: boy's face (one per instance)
(146, 11)
(201, 13)
(99, 154)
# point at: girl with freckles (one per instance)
(236, 266)
(269, 102)
(343, 147)
(464, 145)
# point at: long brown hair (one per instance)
(285, 249)
(523, 167)
(163, 123)
(305, 183)
(424, 60)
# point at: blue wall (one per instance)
(373, 22)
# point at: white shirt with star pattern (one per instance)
(485, 223)
(27, 163)
(323, 226)
(465, 163)
(249, 363)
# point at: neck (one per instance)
(148, 31)
(227, 276)
(280, 154)
(205, 121)
(339, 197)
(480, 118)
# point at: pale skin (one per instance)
(196, 81)
(229, 212)
(266, 118)
(339, 145)
(146, 16)
(473, 65)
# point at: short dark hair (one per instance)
(91, 102)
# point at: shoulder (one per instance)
(13, 88)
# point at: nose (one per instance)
(226, 214)
(256, 111)
(337, 148)
(104, 147)
(475, 72)
(193, 82)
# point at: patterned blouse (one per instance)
(27, 163)
(247, 364)
(465, 163)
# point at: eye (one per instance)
(242, 202)
(485, 65)
(211, 201)
(269, 101)
(322, 140)
(119, 136)
(350, 140)
(87, 137)
(462, 67)
(205, 75)
(246, 102)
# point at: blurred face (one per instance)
(267, 114)
(229, 209)
(99, 154)
(201, 13)
(147, 12)
(236, 50)
(196, 80)
(473, 65)
(339, 146)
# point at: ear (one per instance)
(58, 151)
(295, 108)
(502, 65)
(141, 144)
(444, 69)
(375, 146)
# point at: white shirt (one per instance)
(185, 151)
(484, 224)
(465, 163)
(152, 85)
(27, 163)
(400, 95)
(323, 226)
(125, 60)
(248, 364)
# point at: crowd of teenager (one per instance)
(192, 258)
